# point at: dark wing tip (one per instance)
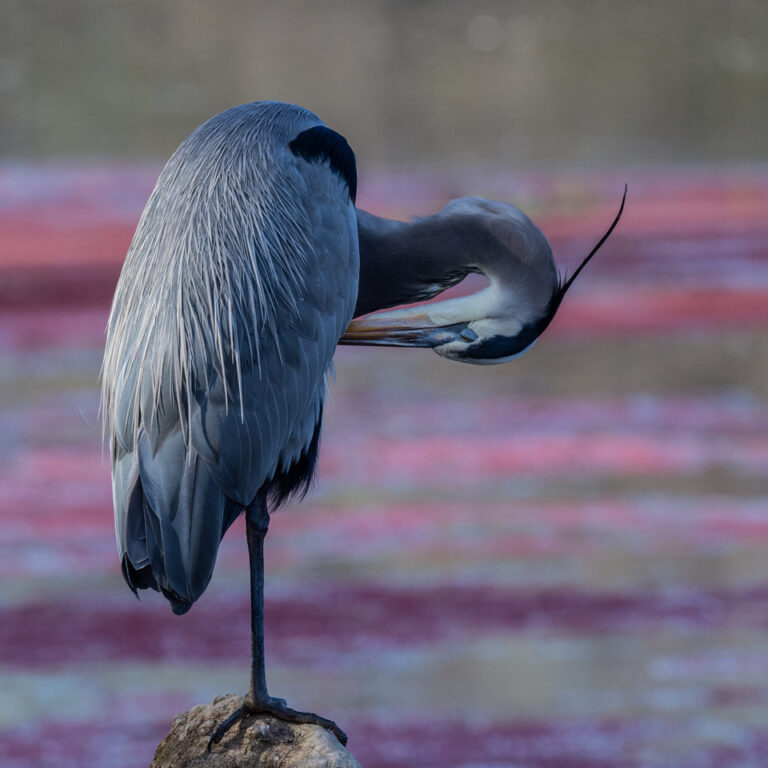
(178, 604)
(137, 578)
(143, 578)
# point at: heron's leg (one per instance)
(258, 700)
(256, 525)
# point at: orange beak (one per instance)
(411, 331)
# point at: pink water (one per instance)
(557, 563)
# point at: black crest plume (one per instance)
(567, 281)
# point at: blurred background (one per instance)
(556, 563)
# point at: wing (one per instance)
(283, 386)
(193, 444)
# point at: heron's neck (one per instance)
(404, 262)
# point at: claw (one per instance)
(279, 709)
(222, 728)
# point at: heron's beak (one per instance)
(415, 330)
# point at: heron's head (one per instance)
(499, 322)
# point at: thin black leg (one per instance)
(258, 700)
(256, 525)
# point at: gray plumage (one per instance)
(240, 279)
(246, 268)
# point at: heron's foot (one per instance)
(221, 729)
(277, 708)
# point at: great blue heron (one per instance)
(246, 268)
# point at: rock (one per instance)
(254, 742)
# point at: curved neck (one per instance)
(405, 262)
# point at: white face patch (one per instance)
(497, 326)
(462, 309)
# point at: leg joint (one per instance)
(257, 516)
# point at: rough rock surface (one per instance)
(255, 742)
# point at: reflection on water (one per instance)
(535, 84)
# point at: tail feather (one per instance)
(171, 522)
